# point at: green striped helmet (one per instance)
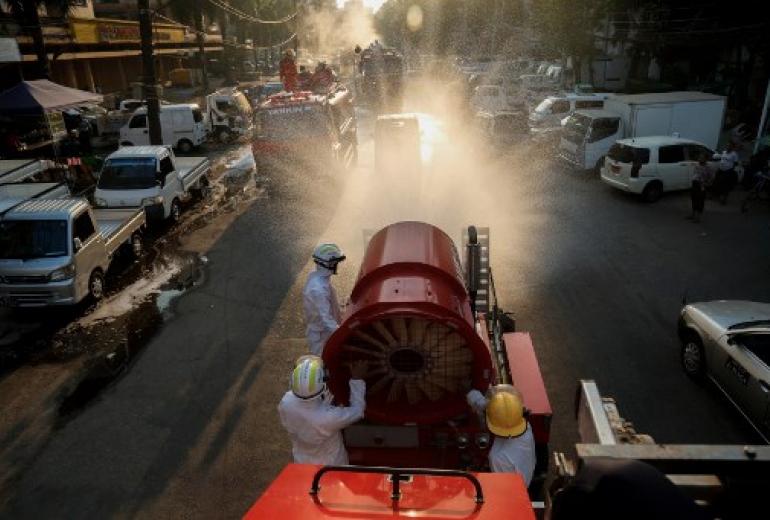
(308, 378)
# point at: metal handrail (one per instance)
(396, 475)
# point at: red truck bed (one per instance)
(367, 495)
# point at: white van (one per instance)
(549, 113)
(494, 97)
(183, 127)
(649, 166)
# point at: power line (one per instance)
(249, 18)
(224, 42)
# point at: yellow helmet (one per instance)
(505, 414)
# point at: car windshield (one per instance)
(26, 239)
(292, 122)
(576, 128)
(135, 173)
(755, 324)
(544, 107)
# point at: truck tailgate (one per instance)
(117, 225)
(190, 169)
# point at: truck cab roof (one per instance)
(158, 152)
(47, 209)
(596, 113)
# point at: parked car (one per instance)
(230, 115)
(183, 126)
(151, 177)
(494, 97)
(502, 127)
(550, 112)
(650, 166)
(728, 342)
(57, 251)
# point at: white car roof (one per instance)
(657, 141)
(164, 108)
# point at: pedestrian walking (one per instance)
(702, 179)
(313, 423)
(726, 177)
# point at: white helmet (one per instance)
(308, 379)
(328, 256)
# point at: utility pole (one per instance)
(201, 38)
(296, 30)
(148, 78)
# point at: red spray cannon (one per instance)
(410, 317)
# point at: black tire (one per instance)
(96, 285)
(175, 212)
(652, 192)
(137, 245)
(599, 164)
(693, 357)
(126, 143)
(185, 146)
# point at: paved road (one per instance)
(596, 276)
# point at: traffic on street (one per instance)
(341, 268)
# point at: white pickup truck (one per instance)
(57, 251)
(151, 177)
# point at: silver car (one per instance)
(728, 341)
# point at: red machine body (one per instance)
(362, 496)
(410, 317)
(409, 292)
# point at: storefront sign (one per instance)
(118, 31)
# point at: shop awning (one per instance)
(41, 95)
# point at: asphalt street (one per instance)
(596, 276)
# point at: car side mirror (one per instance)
(77, 243)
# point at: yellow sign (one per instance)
(99, 30)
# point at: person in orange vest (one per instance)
(288, 71)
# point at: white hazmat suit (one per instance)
(315, 425)
(508, 454)
(322, 310)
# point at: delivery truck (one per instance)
(589, 134)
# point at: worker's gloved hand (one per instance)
(358, 369)
(476, 400)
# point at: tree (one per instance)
(26, 14)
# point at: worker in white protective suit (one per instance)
(313, 423)
(513, 447)
(322, 310)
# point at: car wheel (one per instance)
(599, 164)
(693, 357)
(96, 285)
(652, 192)
(126, 143)
(185, 146)
(176, 211)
